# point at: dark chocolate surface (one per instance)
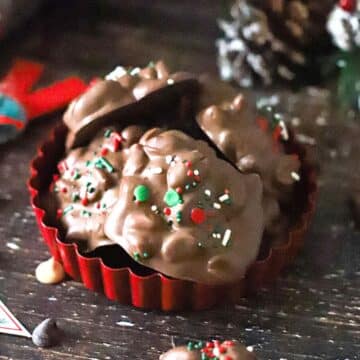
(311, 313)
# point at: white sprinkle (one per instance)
(117, 73)
(224, 198)
(135, 71)
(156, 170)
(154, 207)
(52, 298)
(218, 236)
(226, 238)
(295, 176)
(125, 323)
(284, 132)
(250, 348)
(207, 192)
(217, 205)
(196, 172)
(12, 246)
(295, 121)
(168, 159)
(170, 81)
(214, 235)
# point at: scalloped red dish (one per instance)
(157, 291)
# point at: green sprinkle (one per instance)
(68, 209)
(104, 206)
(91, 190)
(190, 346)
(142, 193)
(145, 255)
(151, 64)
(194, 184)
(88, 163)
(86, 213)
(204, 356)
(172, 198)
(187, 187)
(77, 175)
(75, 197)
(136, 256)
(102, 163)
(199, 345)
(107, 133)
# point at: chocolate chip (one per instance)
(46, 334)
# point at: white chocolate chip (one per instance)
(50, 272)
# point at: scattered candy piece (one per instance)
(46, 334)
(50, 272)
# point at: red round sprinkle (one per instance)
(56, 177)
(209, 344)
(216, 343)
(104, 151)
(190, 173)
(227, 357)
(348, 5)
(188, 164)
(167, 211)
(84, 201)
(222, 349)
(59, 213)
(179, 190)
(64, 190)
(227, 191)
(198, 215)
(98, 205)
(197, 178)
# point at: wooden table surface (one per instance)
(312, 312)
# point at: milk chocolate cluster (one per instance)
(213, 350)
(192, 209)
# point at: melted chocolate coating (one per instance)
(205, 234)
(124, 98)
(86, 191)
(231, 126)
(228, 350)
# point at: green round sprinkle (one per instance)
(145, 255)
(172, 198)
(75, 197)
(142, 193)
(190, 346)
(187, 186)
(136, 256)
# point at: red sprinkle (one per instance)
(188, 164)
(179, 190)
(348, 5)
(198, 215)
(59, 213)
(116, 141)
(228, 357)
(190, 173)
(104, 151)
(197, 178)
(222, 349)
(85, 201)
(209, 344)
(56, 177)
(64, 190)
(167, 211)
(98, 205)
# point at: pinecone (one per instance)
(268, 40)
(344, 24)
